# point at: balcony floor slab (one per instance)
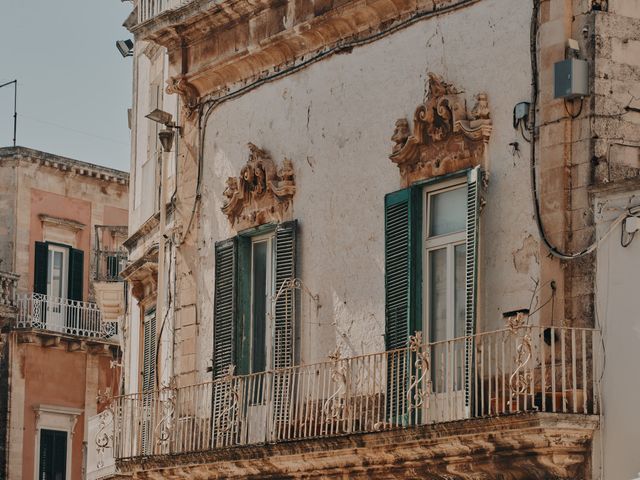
(529, 446)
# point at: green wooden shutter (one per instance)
(149, 359)
(149, 356)
(403, 292)
(474, 181)
(284, 322)
(284, 309)
(224, 307)
(40, 268)
(76, 274)
(403, 266)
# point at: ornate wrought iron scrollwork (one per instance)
(521, 378)
(335, 407)
(104, 435)
(168, 405)
(419, 383)
(227, 419)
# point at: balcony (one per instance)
(64, 317)
(100, 460)
(148, 9)
(528, 373)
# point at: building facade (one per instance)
(63, 224)
(367, 240)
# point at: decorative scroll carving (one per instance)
(188, 93)
(446, 137)
(261, 193)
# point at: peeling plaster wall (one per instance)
(334, 120)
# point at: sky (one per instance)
(74, 87)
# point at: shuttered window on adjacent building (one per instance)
(53, 455)
(431, 257)
(75, 270)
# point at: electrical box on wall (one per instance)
(571, 78)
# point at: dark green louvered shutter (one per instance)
(41, 258)
(403, 291)
(224, 307)
(402, 267)
(474, 182)
(53, 454)
(149, 352)
(149, 359)
(76, 274)
(284, 309)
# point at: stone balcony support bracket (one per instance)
(528, 445)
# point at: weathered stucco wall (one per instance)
(334, 121)
(618, 304)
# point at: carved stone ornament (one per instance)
(188, 93)
(446, 136)
(262, 193)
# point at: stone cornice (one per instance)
(147, 227)
(216, 44)
(528, 446)
(64, 164)
(61, 222)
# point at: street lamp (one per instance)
(125, 47)
(166, 134)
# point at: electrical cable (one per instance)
(533, 37)
(626, 238)
(574, 115)
(213, 103)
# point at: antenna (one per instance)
(15, 104)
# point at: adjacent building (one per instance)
(382, 239)
(62, 224)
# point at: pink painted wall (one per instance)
(60, 206)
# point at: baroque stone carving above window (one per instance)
(446, 137)
(262, 193)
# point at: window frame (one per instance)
(448, 241)
(54, 417)
(52, 248)
(269, 237)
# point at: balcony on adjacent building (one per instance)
(61, 316)
(511, 383)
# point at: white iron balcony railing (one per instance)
(100, 460)
(147, 9)
(518, 369)
(61, 315)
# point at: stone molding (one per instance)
(446, 136)
(217, 44)
(64, 223)
(142, 274)
(528, 446)
(64, 164)
(262, 193)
